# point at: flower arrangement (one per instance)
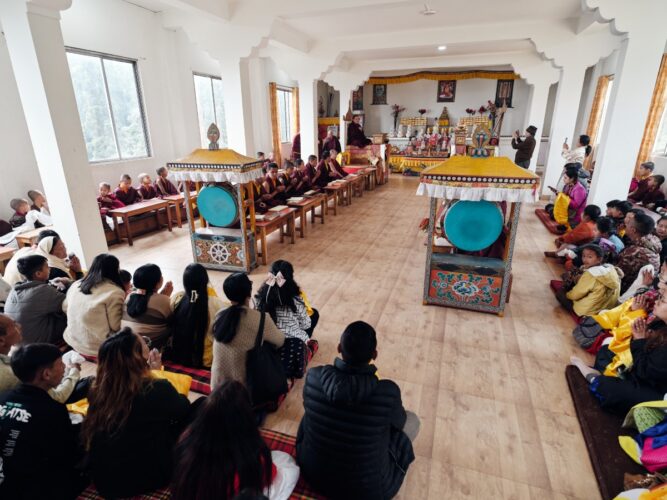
(422, 111)
(481, 110)
(396, 109)
(470, 111)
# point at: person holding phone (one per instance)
(579, 152)
(525, 147)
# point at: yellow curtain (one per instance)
(596, 113)
(655, 113)
(296, 122)
(275, 126)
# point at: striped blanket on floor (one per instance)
(274, 440)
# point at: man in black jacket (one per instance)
(38, 444)
(524, 147)
(355, 437)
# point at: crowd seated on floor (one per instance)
(614, 283)
(130, 428)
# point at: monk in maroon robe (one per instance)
(303, 177)
(163, 185)
(321, 177)
(355, 134)
(289, 180)
(273, 189)
(296, 147)
(335, 170)
(146, 188)
(126, 193)
(331, 142)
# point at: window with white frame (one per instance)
(110, 105)
(210, 107)
(285, 114)
(660, 145)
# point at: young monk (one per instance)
(639, 185)
(321, 178)
(335, 170)
(146, 188)
(303, 179)
(125, 192)
(653, 193)
(26, 218)
(273, 190)
(106, 200)
(38, 201)
(290, 180)
(163, 185)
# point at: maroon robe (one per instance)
(336, 166)
(296, 147)
(331, 143)
(302, 182)
(323, 179)
(148, 192)
(356, 136)
(165, 187)
(269, 188)
(128, 197)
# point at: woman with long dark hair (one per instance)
(194, 313)
(148, 309)
(235, 330)
(222, 452)
(580, 151)
(94, 306)
(646, 379)
(133, 420)
(281, 297)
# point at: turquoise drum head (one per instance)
(217, 204)
(473, 225)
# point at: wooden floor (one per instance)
(497, 418)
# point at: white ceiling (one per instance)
(453, 49)
(405, 15)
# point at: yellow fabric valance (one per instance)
(454, 75)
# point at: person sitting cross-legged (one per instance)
(354, 440)
(38, 443)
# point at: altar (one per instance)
(473, 220)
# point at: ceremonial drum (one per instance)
(218, 205)
(472, 225)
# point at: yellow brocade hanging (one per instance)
(561, 206)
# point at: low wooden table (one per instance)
(357, 184)
(28, 238)
(340, 192)
(176, 200)
(370, 175)
(310, 204)
(263, 228)
(6, 253)
(125, 213)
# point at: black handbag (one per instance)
(265, 376)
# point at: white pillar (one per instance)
(564, 121)
(37, 52)
(308, 116)
(345, 95)
(237, 121)
(536, 114)
(634, 81)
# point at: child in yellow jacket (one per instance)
(598, 287)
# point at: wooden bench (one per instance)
(357, 184)
(310, 204)
(339, 192)
(273, 221)
(155, 205)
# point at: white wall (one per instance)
(166, 60)
(18, 167)
(423, 94)
(271, 73)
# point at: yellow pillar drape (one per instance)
(296, 121)
(596, 114)
(655, 113)
(275, 125)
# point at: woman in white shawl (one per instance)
(579, 153)
(52, 247)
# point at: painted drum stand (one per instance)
(468, 280)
